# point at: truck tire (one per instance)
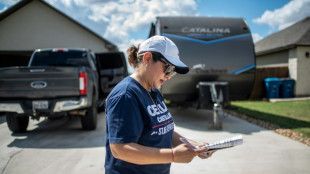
(17, 124)
(89, 121)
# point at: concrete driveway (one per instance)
(61, 146)
(263, 151)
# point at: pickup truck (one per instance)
(59, 82)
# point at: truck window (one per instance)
(111, 61)
(49, 58)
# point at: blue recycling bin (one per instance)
(287, 87)
(272, 87)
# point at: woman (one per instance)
(140, 129)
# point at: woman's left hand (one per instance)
(205, 154)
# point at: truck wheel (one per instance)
(17, 123)
(89, 121)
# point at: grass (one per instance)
(293, 115)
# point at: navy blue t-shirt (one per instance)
(132, 117)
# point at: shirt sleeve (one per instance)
(124, 120)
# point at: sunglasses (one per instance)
(168, 67)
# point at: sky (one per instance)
(127, 22)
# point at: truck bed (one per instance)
(39, 82)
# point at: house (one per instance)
(288, 48)
(33, 24)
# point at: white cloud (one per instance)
(125, 16)
(256, 37)
(136, 42)
(137, 15)
(7, 3)
(283, 17)
(2, 10)
(115, 20)
(66, 2)
(10, 2)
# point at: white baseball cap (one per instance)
(169, 51)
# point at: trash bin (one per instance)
(272, 87)
(287, 87)
(205, 97)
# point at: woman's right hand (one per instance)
(185, 154)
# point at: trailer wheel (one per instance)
(89, 121)
(17, 123)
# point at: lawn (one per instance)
(293, 115)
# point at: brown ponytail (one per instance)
(133, 58)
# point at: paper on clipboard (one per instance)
(223, 144)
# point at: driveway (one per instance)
(61, 146)
(262, 151)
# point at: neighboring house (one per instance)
(288, 48)
(32, 24)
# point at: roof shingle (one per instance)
(297, 34)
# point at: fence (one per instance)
(259, 91)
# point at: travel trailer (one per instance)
(216, 50)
